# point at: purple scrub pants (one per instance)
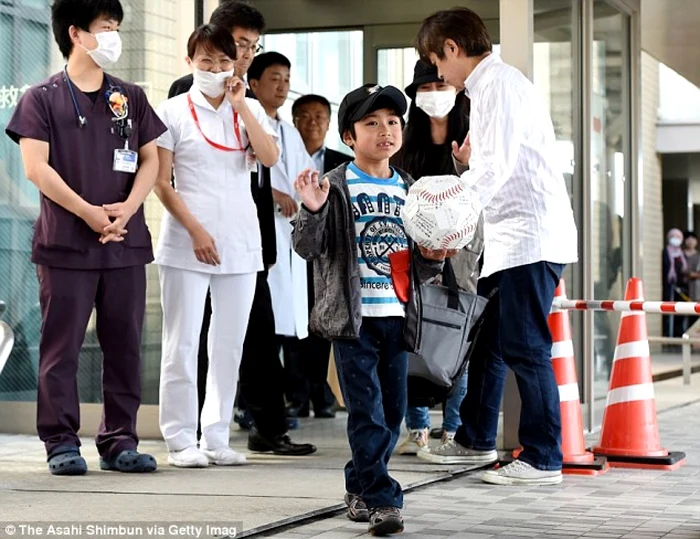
(67, 298)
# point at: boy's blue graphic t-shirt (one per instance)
(376, 204)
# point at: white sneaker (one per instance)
(224, 456)
(454, 453)
(190, 457)
(416, 440)
(522, 473)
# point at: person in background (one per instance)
(530, 235)
(312, 117)
(307, 373)
(675, 275)
(692, 256)
(261, 395)
(438, 115)
(269, 79)
(210, 237)
(88, 143)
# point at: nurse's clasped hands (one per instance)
(312, 192)
(204, 246)
(97, 218)
(121, 213)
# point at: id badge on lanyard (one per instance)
(125, 160)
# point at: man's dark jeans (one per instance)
(372, 371)
(516, 334)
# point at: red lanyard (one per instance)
(236, 129)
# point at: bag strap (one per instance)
(450, 281)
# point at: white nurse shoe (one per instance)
(191, 457)
(224, 456)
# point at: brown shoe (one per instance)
(357, 510)
(385, 521)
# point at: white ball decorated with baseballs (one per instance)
(441, 212)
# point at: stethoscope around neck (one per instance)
(120, 118)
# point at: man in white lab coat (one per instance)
(268, 77)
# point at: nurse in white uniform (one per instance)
(209, 239)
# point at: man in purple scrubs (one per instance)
(88, 143)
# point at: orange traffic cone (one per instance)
(577, 460)
(630, 434)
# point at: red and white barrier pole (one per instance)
(658, 307)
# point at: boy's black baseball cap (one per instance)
(368, 98)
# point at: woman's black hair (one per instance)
(417, 140)
(212, 38)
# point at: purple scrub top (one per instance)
(84, 157)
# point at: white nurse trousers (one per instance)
(183, 296)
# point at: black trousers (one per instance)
(306, 364)
(261, 386)
(306, 371)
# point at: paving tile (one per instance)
(622, 504)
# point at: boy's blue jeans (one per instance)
(372, 371)
(418, 417)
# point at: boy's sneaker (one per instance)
(454, 453)
(385, 521)
(416, 440)
(357, 510)
(522, 473)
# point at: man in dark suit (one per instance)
(261, 372)
(306, 375)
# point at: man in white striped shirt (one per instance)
(530, 235)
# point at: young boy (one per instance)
(348, 225)
(88, 144)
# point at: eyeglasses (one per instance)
(208, 64)
(252, 47)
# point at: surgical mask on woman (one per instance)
(436, 104)
(211, 84)
(675, 241)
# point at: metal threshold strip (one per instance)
(328, 512)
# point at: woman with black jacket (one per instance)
(438, 116)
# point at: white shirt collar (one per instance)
(478, 73)
(319, 153)
(199, 100)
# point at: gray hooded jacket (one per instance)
(328, 238)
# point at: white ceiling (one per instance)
(671, 33)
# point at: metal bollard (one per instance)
(686, 359)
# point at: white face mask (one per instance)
(211, 84)
(675, 242)
(436, 104)
(109, 49)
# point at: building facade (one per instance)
(584, 55)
